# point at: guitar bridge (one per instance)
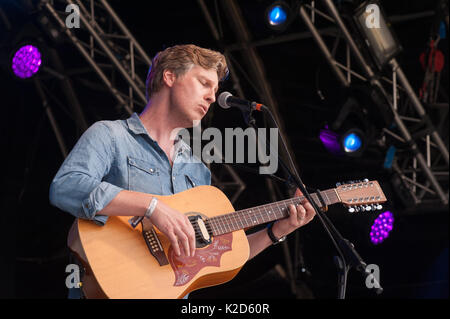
(153, 243)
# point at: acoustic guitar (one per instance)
(122, 261)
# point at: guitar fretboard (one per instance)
(254, 216)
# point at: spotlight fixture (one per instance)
(376, 30)
(26, 61)
(278, 15)
(350, 143)
(381, 227)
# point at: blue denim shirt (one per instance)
(120, 155)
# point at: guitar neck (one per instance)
(254, 216)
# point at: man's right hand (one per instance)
(176, 226)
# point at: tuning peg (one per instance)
(362, 208)
(338, 184)
(365, 180)
(379, 207)
(374, 208)
(351, 209)
(368, 208)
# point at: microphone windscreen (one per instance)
(222, 100)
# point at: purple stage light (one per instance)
(381, 227)
(330, 140)
(26, 61)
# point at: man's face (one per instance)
(192, 94)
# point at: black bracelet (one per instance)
(272, 237)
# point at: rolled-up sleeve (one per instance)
(79, 187)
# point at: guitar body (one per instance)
(118, 262)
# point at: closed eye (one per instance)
(208, 84)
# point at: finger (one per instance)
(301, 212)
(191, 237)
(307, 205)
(305, 202)
(293, 214)
(174, 242)
(298, 192)
(184, 242)
(310, 211)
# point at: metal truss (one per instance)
(345, 74)
(424, 176)
(110, 48)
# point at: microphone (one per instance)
(227, 100)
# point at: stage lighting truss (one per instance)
(414, 145)
(109, 48)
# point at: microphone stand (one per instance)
(348, 256)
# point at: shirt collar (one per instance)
(135, 125)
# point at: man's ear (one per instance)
(169, 78)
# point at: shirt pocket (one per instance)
(143, 176)
(191, 182)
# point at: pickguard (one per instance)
(185, 268)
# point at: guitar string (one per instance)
(229, 222)
(222, 219)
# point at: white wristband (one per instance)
(151, 207)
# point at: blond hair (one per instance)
(179, 59)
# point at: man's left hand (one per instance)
(299, 216)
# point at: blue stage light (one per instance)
(277, 15)
(352, 142)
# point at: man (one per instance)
(116, 165)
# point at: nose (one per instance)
(210, 97)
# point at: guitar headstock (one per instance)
(361, 195)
